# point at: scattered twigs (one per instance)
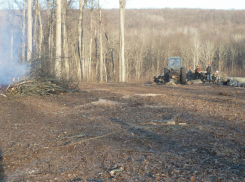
(163, 122)
(23, 82)
(77, 142)
(171, 121)
(158, 116)
(75, 136)
(65, 85)
(141, 151)
(75, 87)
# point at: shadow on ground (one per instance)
(203, 156)
(2, 176)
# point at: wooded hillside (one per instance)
(151, 36)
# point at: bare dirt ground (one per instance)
(125, 132)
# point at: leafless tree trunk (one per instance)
(113, 70)
(29, 14)
(80, 42)
(196, 47)
(49, 31)
(122, 70)
(101, 46)
(222, 53)
(48, 17)
(91, 42)
(158, 62)
(58, 39)
(50, 35)
(24, 32)
(40, 42)
(233, 54)
(208, 52)
(65, 44)
(96, 52)
(105, 69)
(35, 50)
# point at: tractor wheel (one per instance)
(156, 79)
(183, 75)
(166, 75)
(202, 79)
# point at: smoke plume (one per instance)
(11, 68)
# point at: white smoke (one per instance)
(11, 71)
(11, 67)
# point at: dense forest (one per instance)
(151, 36)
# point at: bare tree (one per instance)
(58, 39)
(208, 52)
(38, 31)
(196, 47)
(80, 62)
(222, 54)
(35, 41)
(24, 32)
(233, 54)
(50, 31)
(65, 42)
(91, 41)
(122, 70)
(40, 39)
(29, 14)
(101, 45)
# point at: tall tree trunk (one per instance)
(65, 44)
(122, 69)
(158, 62)
(91, 42)
(24, 32)
(105, 69)
(40, 41)
(196, 47)
(52, 33)
(29, 14)
(58, 40)
(112, 60)
(49, 17)
(35, 42)
(101, 48)
(112, 56)
(96, 52)
(80, 42)
(233, 54)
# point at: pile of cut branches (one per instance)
(38, 86)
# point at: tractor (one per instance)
(174, 70)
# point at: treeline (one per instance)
(151, 36)
(198, 36)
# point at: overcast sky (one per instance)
(203, 4)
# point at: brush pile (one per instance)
(38, 86)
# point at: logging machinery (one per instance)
(174, 70)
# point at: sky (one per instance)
(203, 4)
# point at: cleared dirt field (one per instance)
(125, 132)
